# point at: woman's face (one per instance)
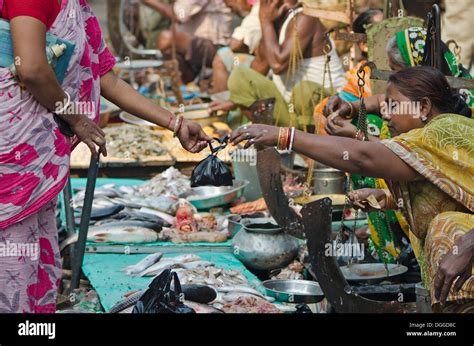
(401, 113)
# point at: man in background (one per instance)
(203, 26)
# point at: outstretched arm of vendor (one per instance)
(358, 157)
(191, 135)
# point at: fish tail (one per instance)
(68, 241)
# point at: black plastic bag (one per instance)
(212, 171)
(161, 299)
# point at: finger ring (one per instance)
(245, 128)
(252, 141)
(248, 136)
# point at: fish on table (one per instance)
(116, 233)
(169, 263)
(145, 263)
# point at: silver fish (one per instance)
(169, 263)
(168, 218)
(145, 263)
(115, 234)
(156, 226)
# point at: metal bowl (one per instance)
(294, 291)
(371, 272)
(206, 197)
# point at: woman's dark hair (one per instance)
(423, 81)
(358, 26)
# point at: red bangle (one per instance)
(288, 138)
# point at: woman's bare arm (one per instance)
(117, 91)
(29, 45)
(365, 158)
(123, 95)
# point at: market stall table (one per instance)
(105, 274)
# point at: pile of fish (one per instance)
(148, 213)
(170, 182)
(133, 142)
(231, 286)
(154, 264)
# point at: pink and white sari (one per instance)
(34, 162)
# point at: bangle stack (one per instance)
(286, 137)
(177, 125)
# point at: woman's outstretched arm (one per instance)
(191, 135)
(365, 158)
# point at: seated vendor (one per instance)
(241, 50)
(427, 164)
(385, 239)
(296, 83)
(203, 26)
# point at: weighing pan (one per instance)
(371, 272)
(294, 291)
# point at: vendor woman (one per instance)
(428, 164)
(34, 153)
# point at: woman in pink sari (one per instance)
(34, 154)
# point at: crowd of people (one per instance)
(417, 161)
